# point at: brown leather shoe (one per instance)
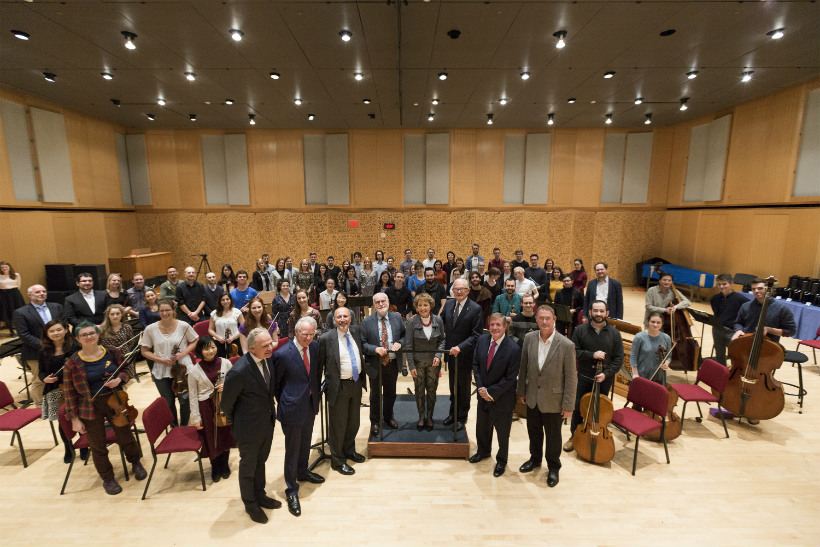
(393, 423)
(374, 430)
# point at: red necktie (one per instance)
(492, 354)
(306, 360)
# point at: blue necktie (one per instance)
(352, 353)
(42, 312)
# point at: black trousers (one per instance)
(465, 369)
(344, 421)
(721, 338)
(390, 373)
(252, 457)
(488, 417)
(541, 425)
(585, 386)
(164, 386)
(297, 452)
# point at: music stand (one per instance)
(706, 319)
(324, 422)
(562, 313)
(13, 347)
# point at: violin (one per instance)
(752, 392)
(231, 349)
(124, 414)
(687, 350)
(179, 375)
(673, 421)
(593, 441)
(220, 419)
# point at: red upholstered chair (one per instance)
(813, 344)
(82, 442)
(282, 343)
(201, 328)
(714, 375)
(233, 360)
(156, 419)
(650, 396)
(17, 418)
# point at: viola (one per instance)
(673, 421)
(592, 440)
(179, 375)
(124, 413)
(231, 349)
(686, 355)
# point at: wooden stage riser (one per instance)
(417, 450)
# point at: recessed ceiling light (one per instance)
(525, 75)
(311, 117)
(366, 101)
(359, 76)
(648, 119)
(683, 103)
(297, 102)
(430, 117)
(50, 76)
(115, 102)
(107, 75)
(571, 100)
(229, 101)
(561, 34)
(274, 75)
(192, 117)
(550, 118)
(609, 74)
(747, 75)
(776, 34)
(236, 34)
(150, 117)
(609, 118)
(251, 119)
(129, 39)
(638, 100)
(502, 100)
(489, 119)
(161, 102)
(434, 101)
(442, 75)
(20, 34)
(190, 76)
(692, 74)
(593, 101)
(346, 35)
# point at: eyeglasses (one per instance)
(459, 289)
(88, 335)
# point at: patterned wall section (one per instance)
(620, 238)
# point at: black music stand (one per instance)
(562, 313)
(14, 347)
(324, 421)
(706, 319)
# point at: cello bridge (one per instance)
(748, 380)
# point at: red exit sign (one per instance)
(352, 223)
(389, 225)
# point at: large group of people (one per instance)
(521, 331)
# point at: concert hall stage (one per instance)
(408, 441)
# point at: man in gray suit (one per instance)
(340, 356)
(546, 384)
(382, 333)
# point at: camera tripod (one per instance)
(203, 262)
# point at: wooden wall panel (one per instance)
(663, 141)
(6, 184)
(275, 169)
(105, 175)
(160, 147)
(79, 152)
(463, 160)
(713, 237)
(120, 233)
(577, 167)
(376, 169)
(30, 245)
(188, 148)
(489, 168)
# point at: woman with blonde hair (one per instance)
(115, 294)
(425, 331)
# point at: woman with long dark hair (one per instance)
(228, 279)
(10, 296)
(57, 344)
(304, 309)
(258, 318)
(282, 305)
(579, 275)
(223, 319)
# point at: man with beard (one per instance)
(480, 294)
(606, 289)
(508, 303)
(572, 298)
(525, 321)
(432, 288)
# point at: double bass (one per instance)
(592, 440)
(673, 422)
(686, 356)
(752, 392)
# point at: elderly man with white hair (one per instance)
(29, 322)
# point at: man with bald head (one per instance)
(190, 298)
(29, 322)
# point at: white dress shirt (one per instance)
(345, 364)
(602, 290)
(89, 299)
(544, 349)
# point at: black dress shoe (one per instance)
(420, 425)
(552, 478)
(499, 469)
(311, 478)
(84, 454)
(344, 469)
(448, 420)
(374, 430)
(475, 458)
(256, 514)
(269, 503)
(459, 426)
(139, 471)
(357, 458)
(429, 425)
(528, 466)
(392, 423)
(293, 506)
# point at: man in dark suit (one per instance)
(340, 356)
(297, 389)
(382, 332)
(29, 322)
(495, 365)
(607, 289)
(247, 400)
(546, 384)
(463, 325)
(87, 304)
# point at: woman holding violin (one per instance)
(89, 378)
(644, 357)
(57, 345)
(205, 381)
(223, 319)
(168, 343)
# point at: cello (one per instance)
(673, 422)
(686, 356)
(752, 391)
(592, 440)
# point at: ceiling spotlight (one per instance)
(297, 102)
(311, 117)
(550, 120)
(776, 34)
(190, 76)
(161, 102)
(192, 117)
(346, 35)
(609, 118)
(115, 102)
(20, 34)
(561, 34)
(638, 100)
(251, 118)
(150, 117)
(502, 100)
(489, 119)
(129, 39)
(571, 100)
(50, 77)
(434, 101)
(609, 74)
(747, 76)
(366, 101)
(525, 75)
(430, 117)
(442, 75)
(648, 119)
(107, 75)
(359, 76)
(692, 74)
(229, 101)
(274, 75)
(236, 34)
(683, 103)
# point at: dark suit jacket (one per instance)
(465, 332)
(501, 379)
(29, 326)
(329, 360)
(614, 298)
(371, 339)
(295, 391)
(76, 309)
(247, 402)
